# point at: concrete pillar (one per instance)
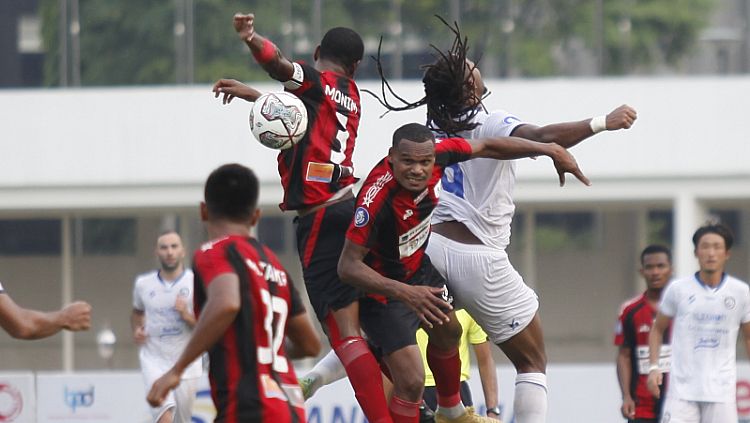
(689, 213)
(68, 352)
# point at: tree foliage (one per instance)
(132, 41)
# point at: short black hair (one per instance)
(714, 228)
(343, 46)
(655, 249)
(414, 132)
(231, 193)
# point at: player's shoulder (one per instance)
(737, 283)
(147, 277)
(630, 304)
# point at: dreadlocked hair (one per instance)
(449, 92)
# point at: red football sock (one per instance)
(404, 411)
(446, 367)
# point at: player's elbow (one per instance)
(309, 347)
(20, 330)
(345, 271)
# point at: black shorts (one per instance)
(390, 324)
(320, 240)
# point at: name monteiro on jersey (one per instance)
(341, 99)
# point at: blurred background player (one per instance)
(707, 310)
(631, 336)
(317, 177)
(472, 334)
(162, 321)
(384, 256)
(471, 224)
(26, 323)
(246, 304)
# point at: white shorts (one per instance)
(180, 400)
(485, 284)
(681, 411)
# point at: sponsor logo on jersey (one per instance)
(511, 119)
(407, 214)
(414, 238)
(341, 99)
(361, 217)
(644, 328)
(375, 189)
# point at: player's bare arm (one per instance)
(624, 367)
(745, 329)
(661, 323)
(23, 323)
(231, 88)
(487, 375)
(568, 134)
(220, 310)
(302, 338)
(180, 304)
(265, 52)
(424, 300)
(137, 325)
(509, 148)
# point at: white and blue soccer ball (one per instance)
(278, 120)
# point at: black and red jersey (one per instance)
(393, 222)
(310, 171)
(633, 329)
(252, 380)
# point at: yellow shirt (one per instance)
(472, 333)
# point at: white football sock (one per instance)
(328, 370)
(530, 400)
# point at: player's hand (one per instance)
(139, 335)
(653, 383)
(628, 408)
(622, 117)
(161, 387)
(76, 316)
(566, 163)
(230, 88)
(243, 24)
(180, 305)
(427, 303)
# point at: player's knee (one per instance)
(410, 387)
(446, 336)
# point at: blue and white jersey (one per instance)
(479, 192)
(166, 332)
(706, 323)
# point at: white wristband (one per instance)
(653, 367)
(598, 124)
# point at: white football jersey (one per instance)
(706, 323)
(479, 192)
(166, 332)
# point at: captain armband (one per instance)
(298, 76)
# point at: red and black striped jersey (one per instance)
(252, 380)
(310, 171)
(393, 222)
(633, 329)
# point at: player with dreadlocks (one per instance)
(471, 224)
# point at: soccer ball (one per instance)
(278, 120)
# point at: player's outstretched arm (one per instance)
(230, 88)
(424, 300)
(264, 51)
(23, 323)
(509, 148)
(661, 323)
(624, 367)
(568, 134)
(219, 312)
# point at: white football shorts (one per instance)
(180, 400)
(680, 411)
(485, 284)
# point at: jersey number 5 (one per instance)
(342, 136)
(268, 355)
